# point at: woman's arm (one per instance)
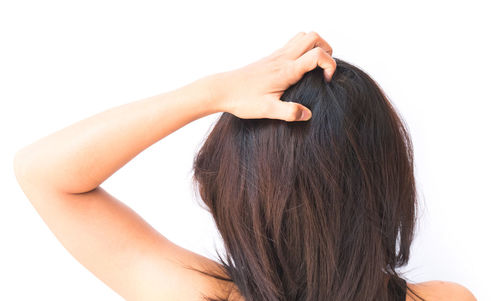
(80, 157)
(61, 173)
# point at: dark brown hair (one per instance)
(313, 210)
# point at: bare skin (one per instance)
(438, 290)
(61, 175)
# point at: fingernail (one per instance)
(306, 115)
(329, 75)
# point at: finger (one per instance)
(295, 38)
(313, 58)
(288, 111)
(288, 44)
(307, 42)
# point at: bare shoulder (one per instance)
(437, 290)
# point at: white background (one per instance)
(62, 61)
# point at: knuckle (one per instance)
(314, 35)
(329, 50)
(317, 51)
(277, 53)
(316, 54)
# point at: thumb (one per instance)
(288, 111)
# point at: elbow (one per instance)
(18, 166)
(21, 167)
(24, 174)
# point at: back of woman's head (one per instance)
(316, 210)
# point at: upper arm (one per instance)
(119, 247)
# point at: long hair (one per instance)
(314, 210)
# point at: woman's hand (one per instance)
(254, 91)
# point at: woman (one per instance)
(309, 180)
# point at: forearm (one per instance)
(81, 156)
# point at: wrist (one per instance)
(200, 94)
(216, 89)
